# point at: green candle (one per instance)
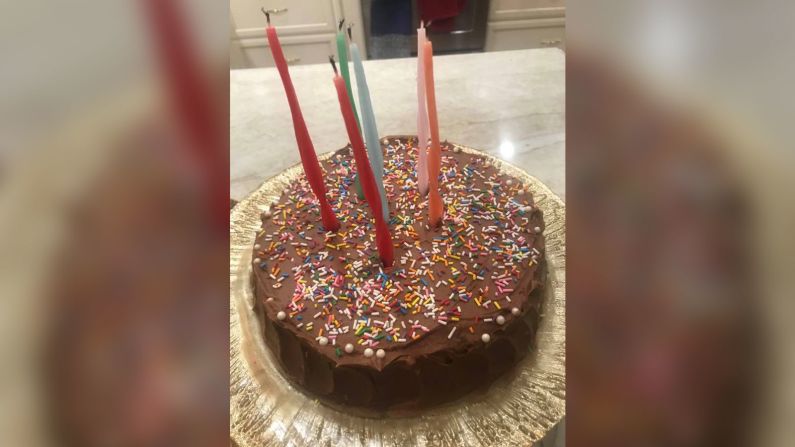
(342, 54)
(342, 50)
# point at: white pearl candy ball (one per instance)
(323, 341)
(380, 353)
(500, 320)
(368, 352)
(281, 315)
(516, 311)
(486, 338)
(349, 348)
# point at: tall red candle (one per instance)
(305, 146)
(435, 154)
(382, 237)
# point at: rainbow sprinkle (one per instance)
(463, 276)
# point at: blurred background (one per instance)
(114, 216)
(679, 152)
(387, 28)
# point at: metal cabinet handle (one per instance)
(293, 60)
(550, 42)
(462, 31)
(276, 11)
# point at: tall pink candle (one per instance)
(422, 116)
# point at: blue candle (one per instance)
(370, 130)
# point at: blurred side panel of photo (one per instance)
(114, 223)
(679, 299)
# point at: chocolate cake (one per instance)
(459, 307)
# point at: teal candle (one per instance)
(342, 54)
(370, 130)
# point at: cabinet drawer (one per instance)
(525, 9)
(289, 16)
(298, 50)
(522, 34)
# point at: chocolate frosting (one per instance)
(430, 310)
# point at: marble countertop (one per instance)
(510, 103)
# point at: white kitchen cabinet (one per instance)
(519, 24)
(307, 30)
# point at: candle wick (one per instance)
(350, 36)
(267, 15)
(339, 27)
(333, 63)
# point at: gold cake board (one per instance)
(266, 410)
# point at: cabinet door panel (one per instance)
(516, 35)
(289, 16)
(298, 50)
